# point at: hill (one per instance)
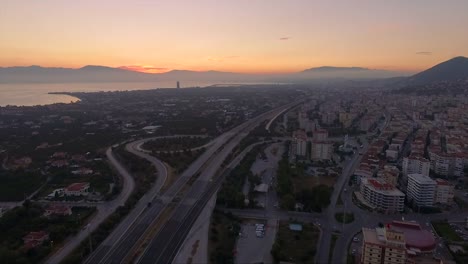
(452, 70)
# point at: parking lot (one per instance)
(255, 242)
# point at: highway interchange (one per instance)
(191, 191)
(120, 244)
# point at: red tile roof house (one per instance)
(77, 189)
(58, 209)
(34, 239)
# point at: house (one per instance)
(56, 193)
(77, 189)
(34, 239)
(58, 209)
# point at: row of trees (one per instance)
(314, 199)
(231, 194)
(176, 143)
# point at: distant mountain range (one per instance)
(454, 69)
(92, 73)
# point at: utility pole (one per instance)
(344, 215)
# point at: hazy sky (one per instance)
(233, 35)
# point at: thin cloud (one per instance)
(147, 69)
(426, 53)
(221, 59)
(284, 38)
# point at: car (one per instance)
(355, 239)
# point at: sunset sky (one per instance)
(267, 36)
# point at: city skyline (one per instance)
(241, 36)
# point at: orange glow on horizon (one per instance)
(145, 69)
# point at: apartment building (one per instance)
(321, 150)
(421, 189)
(383, 246)
(446, 164)
(382, 196)
(300, 143)
(415, 164)
(444, 192)
(396, 243)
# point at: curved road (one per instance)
(103, 211)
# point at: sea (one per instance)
(31, 94)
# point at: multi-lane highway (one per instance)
(165, 244)
(123, 239)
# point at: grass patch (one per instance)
(180, 161)
(295, 246)
(223, 233)
(175, 143)
(332, 247)
(444, 230)
(344, 217)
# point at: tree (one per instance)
(288, 202)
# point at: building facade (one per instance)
(444, 192)
(382, 196)
(421, 190)
(415, 164)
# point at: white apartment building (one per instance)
(415, 164)
(421, 189)
(383, 196)
(300, 142)
(445, 164)
(444, 192)
(321, 150)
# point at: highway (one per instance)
(166, 243)
(122, 240)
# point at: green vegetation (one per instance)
(344, 217)
(332, 247)
(180, 160)
(145, 175)
(224, 229)
(176, 143)
(253, 137)
(61, 177)
(231, 194)
(460, 202)
(18, 184)
(97, 236)
(315, 199)
(18, 222)
(295, 246)
(444, 230)
(284, 186)
(142, 170)
(461, 257)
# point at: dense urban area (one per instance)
(242, 174)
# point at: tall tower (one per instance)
(178, 85)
